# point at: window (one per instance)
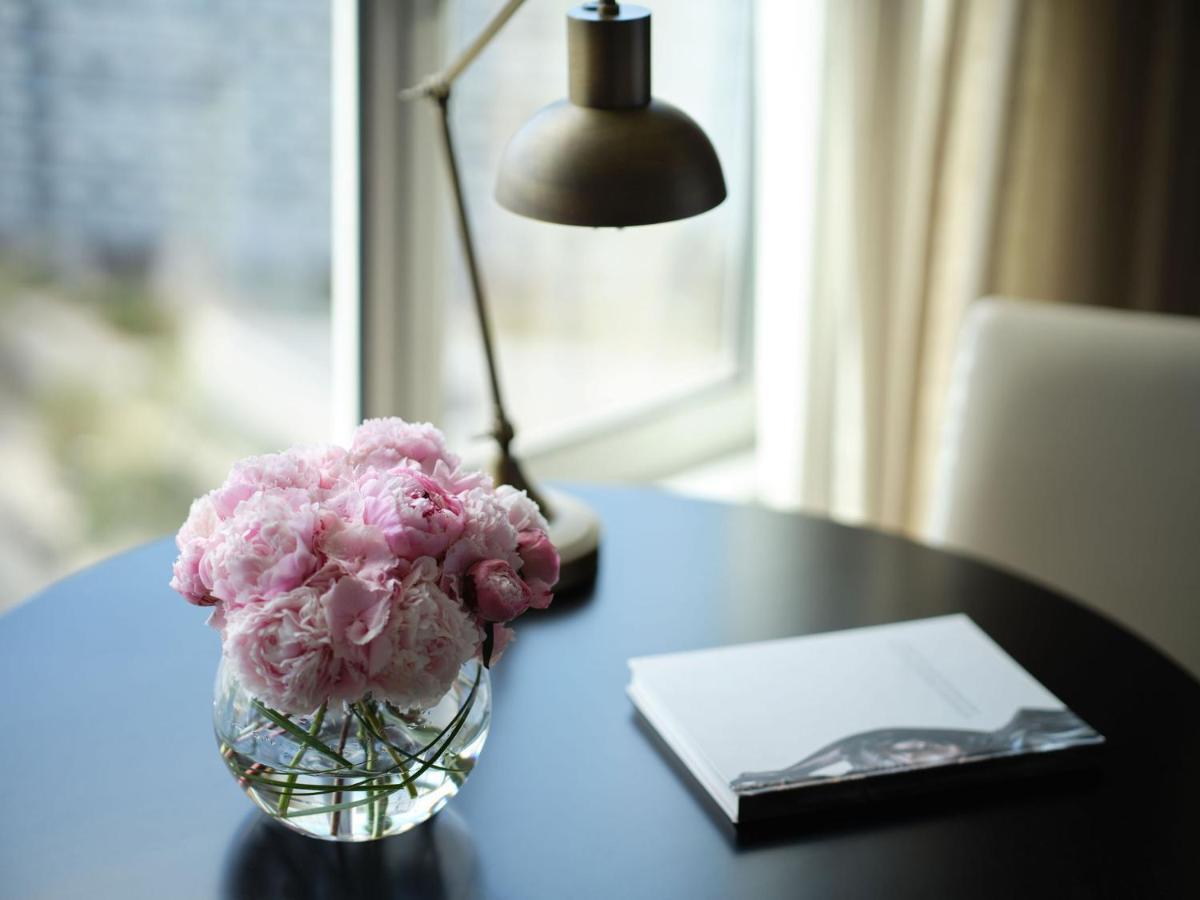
(169, 299)
(594, 323)
(622, 352)
(164, 261)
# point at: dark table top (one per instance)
(110, 782)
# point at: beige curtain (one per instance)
(1045, 149)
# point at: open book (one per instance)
(781, 726)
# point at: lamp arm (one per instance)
(437, 88)
(438, 83)
(502, 428)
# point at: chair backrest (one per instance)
(1071, 452)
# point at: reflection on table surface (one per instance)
(437, 860)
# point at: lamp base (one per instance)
(575, 531)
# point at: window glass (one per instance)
(164, 261)
(596, 323)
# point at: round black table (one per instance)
(110, 783)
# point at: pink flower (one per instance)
(201, 522)
(334, 574)
(431, 636)
(319, 467)
(304, 472)
(539, 565)
(281, 652)
(387, 444)
(523, 513)
(499, 593)
(410, 510)
(357, 549)
(193, 541)
(488, 535)
(263, 550)
(356, 614)
(185, 576)
(458, 480)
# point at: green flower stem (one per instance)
(346, 804)
(368, 748)
(257, 725)
(303, 736)
(462, 719)
(417, 757)
(313, 731)
(348, 778)
(373, 723)
(337, 797)
(378, 810)
(305, 789)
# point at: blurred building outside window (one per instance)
(164, 262)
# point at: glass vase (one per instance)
(353, 771)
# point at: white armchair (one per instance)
(1071, 452)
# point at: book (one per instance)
(798, 724)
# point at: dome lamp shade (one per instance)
(610, 155)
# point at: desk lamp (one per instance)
(610, 155)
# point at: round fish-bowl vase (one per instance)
(353, 771)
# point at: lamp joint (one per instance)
(503, 432)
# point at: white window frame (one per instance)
(390, 201)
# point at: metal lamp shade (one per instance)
(605, 167)
(610, 155)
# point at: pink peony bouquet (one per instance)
(380, 570)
